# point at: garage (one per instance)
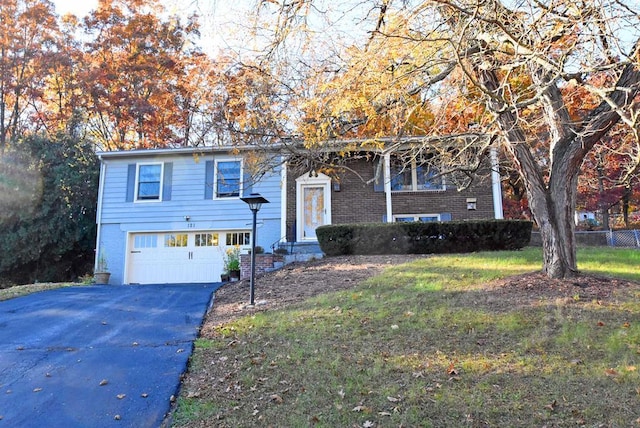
(179, 257)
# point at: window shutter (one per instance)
(378, 184)
(384, 218)
(131, 182)
(208, 180)
(445, 216)
(167, 181)
(247, 184)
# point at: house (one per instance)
(383, 184)
(169, 215)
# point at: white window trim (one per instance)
(416, 217)
(137, 183)
(215, 178)
(414, 181)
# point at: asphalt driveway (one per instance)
(97, 356)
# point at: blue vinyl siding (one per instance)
(184, 191)
(186, 180)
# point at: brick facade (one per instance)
(263, 262)
(359, 202)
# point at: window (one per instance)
(408, 175)
(227, 178)
(178, 240)
(239, 238)
(207, 240)
(145, 241)
(416, 217)
(149, 182)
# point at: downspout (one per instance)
(103, 170)
(496, 185)
(283, 202)
(387, 186)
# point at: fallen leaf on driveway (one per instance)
(103, 382)
(121, 396)
(37, 390)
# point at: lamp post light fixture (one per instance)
(255, 201)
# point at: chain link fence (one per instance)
(611, 238)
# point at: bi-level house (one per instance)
(169, 215)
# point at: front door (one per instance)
(314, 205)
(313, 210)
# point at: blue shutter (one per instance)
(208, 180)
(378, 184)
(167, 181)
(384, 218)
(131, 182)
(247, 186)
(445, 216)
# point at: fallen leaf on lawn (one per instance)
(359, 409)
(552, 406)
(600, 324)
(384, 413)
(193, 395)
(276, 398)
(631, 368)
(611, 372)
(451, 371)
(341, 393)
(103, 382)
(393, 399)
(121, 396)
(255, 412)
(368, 424)
(37, 389)
(395, 327)
(626, 325)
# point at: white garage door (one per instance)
(177, 257)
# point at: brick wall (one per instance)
(358, 202)
(263, 262)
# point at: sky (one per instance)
(215, 17)
(77, 7)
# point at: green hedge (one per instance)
(424, 238)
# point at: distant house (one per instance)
(169, 215)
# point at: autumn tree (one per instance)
(495, 73)
(135, 65)
(28, 38)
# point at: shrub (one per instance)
(424, 238)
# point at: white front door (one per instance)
(313, 205)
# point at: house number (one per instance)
(191, 225)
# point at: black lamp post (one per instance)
(255, 201)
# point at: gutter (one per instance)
(103, 170)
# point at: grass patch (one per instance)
(23, 290)
(430, 343)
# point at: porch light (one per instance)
(255, 201)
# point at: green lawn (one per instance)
(431, 344)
